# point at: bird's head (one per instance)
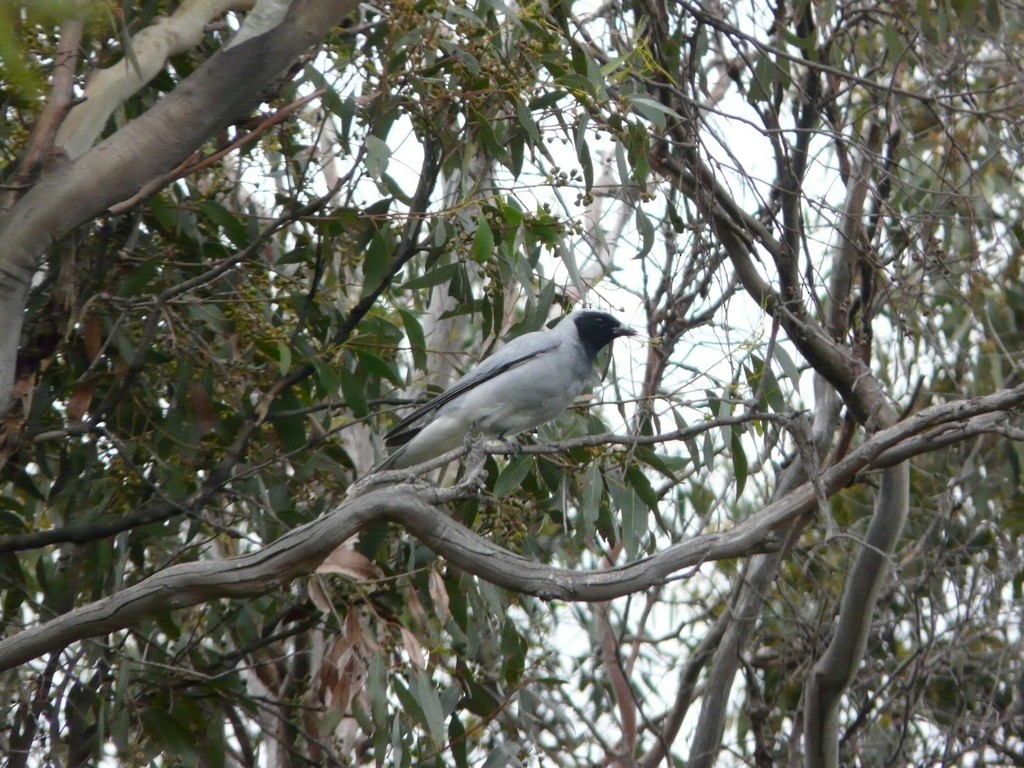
(597, 329)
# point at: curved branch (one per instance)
(41, 143)
(149, 49)
(837, 667)
(303, 549)
(738, 232)
(228, 84)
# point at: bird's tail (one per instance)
(389, 461)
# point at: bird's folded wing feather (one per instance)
(512, 355)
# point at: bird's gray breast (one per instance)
(526, 396)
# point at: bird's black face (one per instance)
(597, 329)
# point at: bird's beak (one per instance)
(623, 330)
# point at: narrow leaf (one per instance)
(417, 339)
(739, 462)
(425, 693)
(646, 230)
(483, 242)
(512, 476)
(590, 503)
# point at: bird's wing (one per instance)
(512, 355)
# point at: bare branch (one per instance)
(151, 47)
(837, 667)
(302, 549)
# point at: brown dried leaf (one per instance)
(413, 649)
(80, 400)
(92, 337)
(354, 627)
(439, 594)
(346, 561)
(415, 607)
(318, 596)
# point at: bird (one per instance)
(526, 383)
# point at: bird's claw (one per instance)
(514, 447)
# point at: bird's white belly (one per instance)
(508, 410)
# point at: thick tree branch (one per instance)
(40, 148)
(108, 88)
(837, 667)
(301, 550)
(225, 86)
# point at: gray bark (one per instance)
(301, 550)
(225, 87)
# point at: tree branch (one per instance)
(227, 85)
(837, 667)
(151, 47)
(303, 549)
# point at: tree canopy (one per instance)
(239, 239)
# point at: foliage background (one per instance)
(811, 209)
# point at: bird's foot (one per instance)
(514, 447)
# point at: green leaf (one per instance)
(590, 501)
(443, 274)
(425, 694)
(527, 123)
(23, 481)
(513, 651)
(516, 153)
(353, 389)
(284, 358)
(512, 476)
(375, 263)
(167, 730)
(573, 269)
(135, 281)
(639, 149)
(652, 459)
(457, 741)
(762, 81)
(485, 131)
(613, 65)
(577, 84)
(582, 149)
(480, 700)
(739, 461)
(326, 377)
(513, 216)
(633, 516)
(788, 366)
(646, 230)
(638, 482)
(378, 155)
(761, 379)
(395, 189)
(379, 367)
(227, 221)
(417, 340)
(546, 228)
(993, 15)
(291, 430)
(483, 241)
(653, 110)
